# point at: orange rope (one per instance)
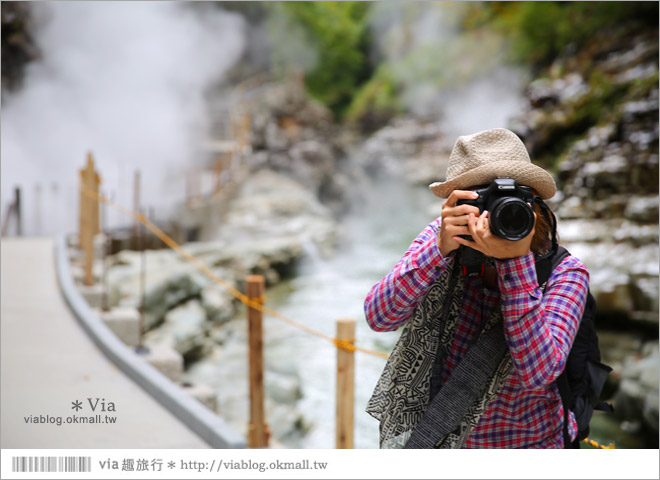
(257, 304)
(595, 444)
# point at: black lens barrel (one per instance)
(511, 218)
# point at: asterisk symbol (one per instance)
(171, 465)
(77, 405)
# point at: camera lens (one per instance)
(511, 218)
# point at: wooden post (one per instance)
(153, 239)
(258, 432)
(198, 183)
(37, 210)
(17, 211)
(345, 384)
(89, 216)
(143, 281)
(8, 215)
(245, 131)
(104, 272)
(82, 211)
(217, 169)
(136, 207)
(188, 194)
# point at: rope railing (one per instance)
(595, 444)
(256, 304)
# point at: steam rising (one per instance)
(124, 80)
(457, 77)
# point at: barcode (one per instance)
(51, 464)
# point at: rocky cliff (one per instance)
(592, 120)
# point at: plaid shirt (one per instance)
(539, 329)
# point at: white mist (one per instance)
(124, 80)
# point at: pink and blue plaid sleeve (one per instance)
(540, 327)
(392, 301)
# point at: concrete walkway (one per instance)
(49, 362)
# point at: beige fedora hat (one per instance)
(480, 158)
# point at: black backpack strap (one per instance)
(544, 267)
(547, 263)
(565, 393)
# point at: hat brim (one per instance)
(522, 172)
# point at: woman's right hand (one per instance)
(455, 220)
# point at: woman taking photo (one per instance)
(484, 342)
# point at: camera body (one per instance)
(510, 214)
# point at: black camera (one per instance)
(510, 214)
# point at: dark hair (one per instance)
(542, 239)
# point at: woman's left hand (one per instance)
(484, 241)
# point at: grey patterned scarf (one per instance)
(402, 401)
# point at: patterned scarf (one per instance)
(402, 400)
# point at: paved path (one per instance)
(48, 362)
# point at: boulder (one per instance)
(623, 277)
(643, 209)
(218, 303)
(168, 281)
(202, 393)
(295, 136)
(225, 369)
(409, 147)
(275, 217)
(184, 330)
(283, 388)
(242, 249)
(637, 396)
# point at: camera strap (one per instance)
(472, 262)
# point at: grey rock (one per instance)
(587, 230)
(274, 215)
(218, 303)
(622, 60)
(312, 161)
(168, 281)
(287, 424)
(643, 209)
(623, 276)
(166, 360)
(650, 409)
(184, 330)
(225, 369)
(203, 393)
(169, 289)
(283, 388)
(645, 294)
(615, 347)
(637, 396)
(408, 147)
(124, 322)
(546, 91)
(636, 234)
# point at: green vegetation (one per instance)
(376, 102)
(572, 119)
(334, 49)
(539, 31)
(333, 44)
